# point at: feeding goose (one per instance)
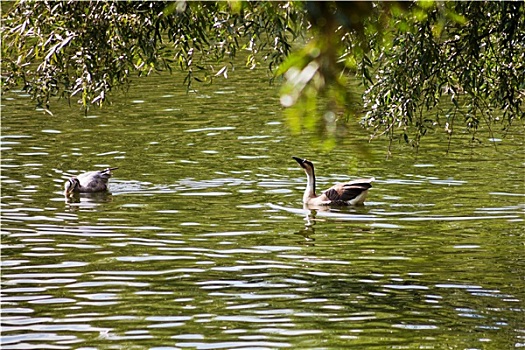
(349, 193)
(92, 181)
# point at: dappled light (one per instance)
(409, 57)
(203, 241)
(158, 188)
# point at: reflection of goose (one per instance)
(92, 181)
(349, 193)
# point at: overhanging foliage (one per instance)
(410, 56)
(471, 54)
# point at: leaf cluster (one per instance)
(469, 54)
(424, 65)
(86, 49)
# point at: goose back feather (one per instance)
(92, 181)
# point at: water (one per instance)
(203, 242)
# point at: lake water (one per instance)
(203, 242)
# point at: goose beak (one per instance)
(300, 161)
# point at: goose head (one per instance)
(71, 186)
(305, 164)
(308, 167)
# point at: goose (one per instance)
(349, 193)
(92, 181)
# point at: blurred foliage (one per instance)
(409, 56)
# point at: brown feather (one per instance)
(347, 191)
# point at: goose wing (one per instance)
(95, 181)
(346, 192)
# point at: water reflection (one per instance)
(203, 241)
(88, 199)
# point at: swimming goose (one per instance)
(92, 181)
(349, 193)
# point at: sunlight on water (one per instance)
(203, 241)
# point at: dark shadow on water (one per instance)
(89, 199)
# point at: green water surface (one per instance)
(203, 242)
